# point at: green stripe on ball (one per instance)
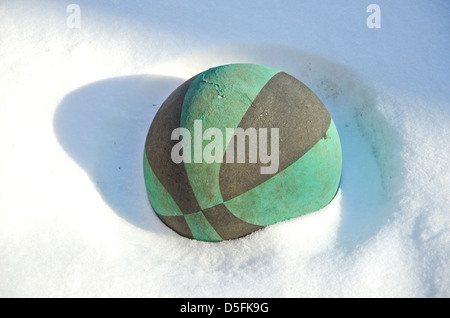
(219, 97)
(307, 185)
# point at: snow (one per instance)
(76, 104)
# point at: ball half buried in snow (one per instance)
(239, 147)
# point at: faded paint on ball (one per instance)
(222, 200)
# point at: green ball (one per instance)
(239, 147)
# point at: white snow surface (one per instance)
(76, 105)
